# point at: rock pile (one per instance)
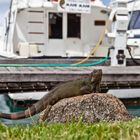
(93, 107)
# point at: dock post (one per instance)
(119, 29)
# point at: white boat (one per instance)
(44, 28)
(134, 27)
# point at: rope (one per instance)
(133, 59)
(97, 45)
(56, 65)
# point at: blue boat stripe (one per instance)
(135, 37)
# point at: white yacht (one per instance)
(54, 28)
(134, 27)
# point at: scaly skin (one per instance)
(65, 90)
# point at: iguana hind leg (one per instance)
(43, 116)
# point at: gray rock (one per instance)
(93, 107)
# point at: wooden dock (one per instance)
(60, 74)
(41, 78)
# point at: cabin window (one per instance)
(135, 21)
(55, 25)
(74, 25)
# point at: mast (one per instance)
(11, 26)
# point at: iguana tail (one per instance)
(34, 109)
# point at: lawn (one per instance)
(73, 131)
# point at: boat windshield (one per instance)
(134, 21)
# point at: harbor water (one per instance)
(6, 108)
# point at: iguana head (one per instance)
(96, 75)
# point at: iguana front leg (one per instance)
(43, 116)
(97, 87)
(85, 90)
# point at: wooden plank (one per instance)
(3, 69)
(11, 69)
(57, 74)
(46, 69)
(30, 77)
(106, 70)
(32, 69)
(7, 69)
(23, 69)
(40, 68)
(63, 77)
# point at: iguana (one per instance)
(73, 88)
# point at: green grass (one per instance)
(73, 131)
